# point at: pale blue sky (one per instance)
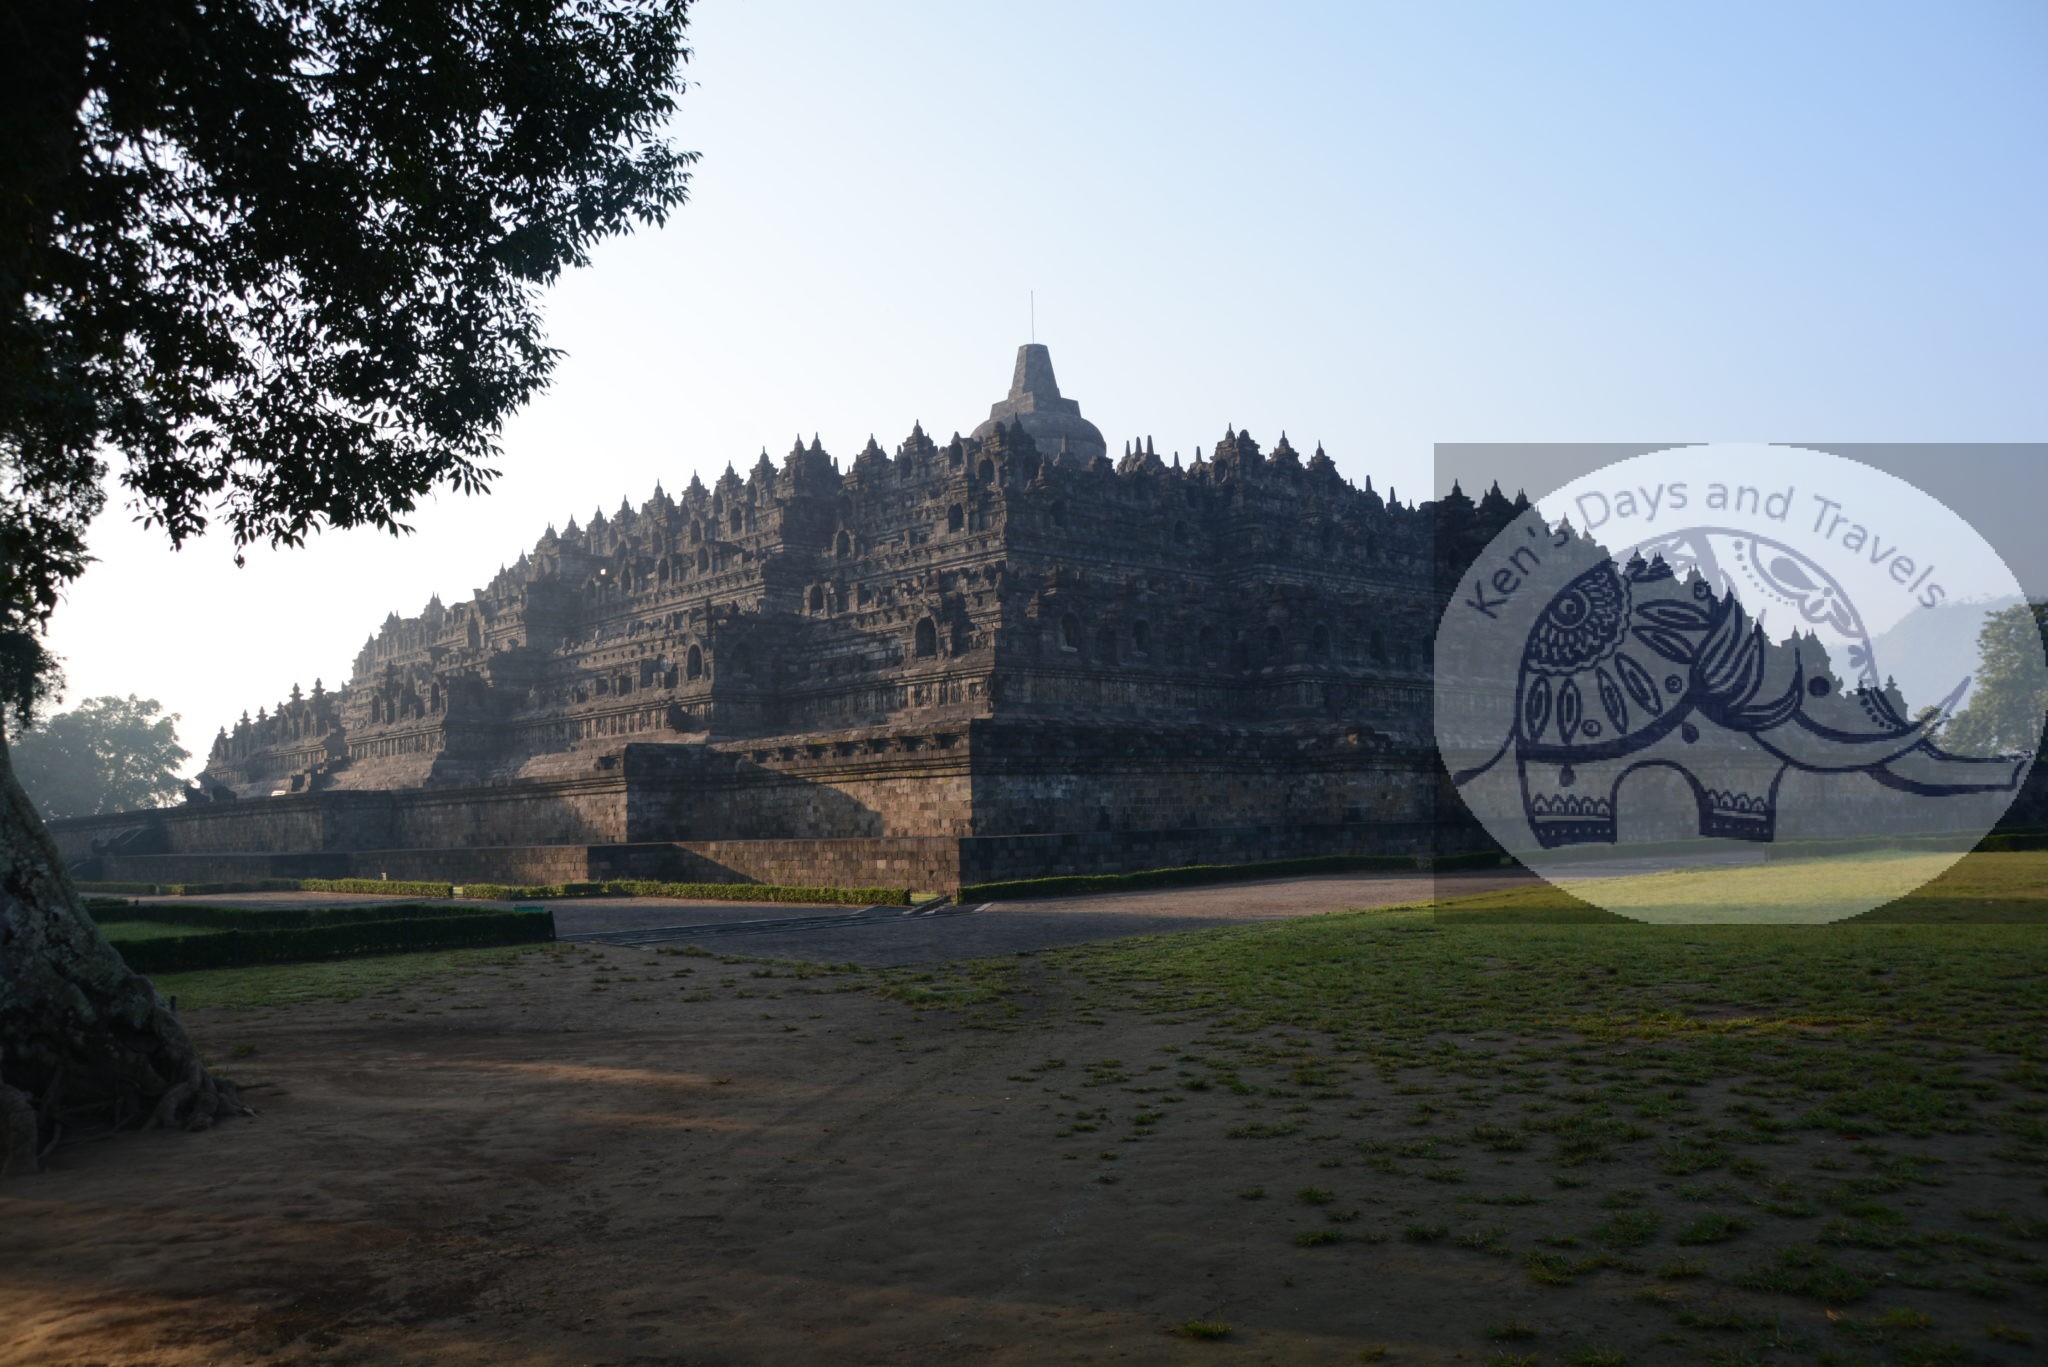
(1378, 226)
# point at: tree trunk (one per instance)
(84, 1042)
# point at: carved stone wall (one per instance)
(962, 642)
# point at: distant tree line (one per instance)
(107, 755)
(2007, 705)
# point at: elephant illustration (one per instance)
(1631, 667)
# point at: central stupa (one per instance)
(1055, 424)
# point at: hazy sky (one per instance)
(1377, 226)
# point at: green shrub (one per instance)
(388, 887)
(724, 892)
(1482, 859)
(280, 918)
(763, 892)
(1785, 850)
(508, 892)
(239, 948)
(2008, 844)
(385, 887)
(1218, 873)
(514, 892)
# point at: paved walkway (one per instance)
(897, 936)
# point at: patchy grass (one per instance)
(1782, 1105)
(1203, 1329)
(276, 985)
(1712, 1228)
(1715, 1143)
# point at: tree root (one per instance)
(197, 1101)
(167, 1106)
(81, 1035)
(18, 1132)
(31, 1129)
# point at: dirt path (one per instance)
(594, 1154)
(593, 1169)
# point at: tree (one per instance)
(108, 755)
(2005, 711)
(279, 261)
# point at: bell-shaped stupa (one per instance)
(1035, 401)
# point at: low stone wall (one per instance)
(929, 810)
(581, 811)
(925, 863)
(1040, 777)
(991, 859)
(213, 868)
(928, 864)
(502, 864)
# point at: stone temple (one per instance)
(1003, 655)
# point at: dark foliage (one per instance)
(240, 948)
(1194, 874)
(106, 755)
(279, 262)
(2005, 710)
(280, 259)
(204, 917)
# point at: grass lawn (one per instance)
(267, 986)
(1904, 886)
(1820, 1143)
(1712, 1143)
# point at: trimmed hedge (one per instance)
(514, 892)
(1953, 842)
(385, 887)
(1481, 859)
(382, 887)
(1225, 873)
(241, 948)
(281, 918)
(721, 892)
(2008, 844)
(761, 892)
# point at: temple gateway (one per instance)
(1004, 655)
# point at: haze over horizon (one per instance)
(1380, 228)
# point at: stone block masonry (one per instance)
(950, 662)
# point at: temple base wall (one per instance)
(932, 809)
(924, 863)
(927, 864)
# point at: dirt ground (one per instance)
(588, 1169)
(603, 1154)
